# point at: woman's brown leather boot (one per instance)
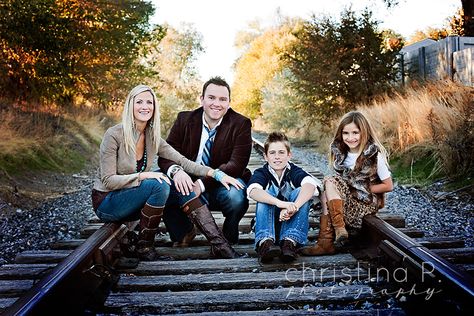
(324, 245)
(337, 218)
(149, 221)
(202, 218)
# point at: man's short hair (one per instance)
(218, 81)
(275, 137)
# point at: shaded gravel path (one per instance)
(62, 218)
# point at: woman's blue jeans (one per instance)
(126, 204)
(296, 228)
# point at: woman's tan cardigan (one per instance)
(117, 169)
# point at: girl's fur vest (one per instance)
(362, 176)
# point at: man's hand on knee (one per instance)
(183, 182)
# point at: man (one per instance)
(217, 136)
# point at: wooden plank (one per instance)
(412, 232)
(238, 265)
(308, 311)
(397, 221)
(244, 226)
(6, 302)
(42, 256)
(229, 281)
(201, 252)
(67, 244)
(24, 271)
(456, 255)
(245, 299)
(244, 239)
(468, 267)
(13, 288)
(164, 240)
(440, 242)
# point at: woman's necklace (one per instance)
(142, 161)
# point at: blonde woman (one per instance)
(127, 189)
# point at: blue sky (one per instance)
(219, 20)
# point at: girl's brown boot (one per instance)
(336, 212)
(324, 245)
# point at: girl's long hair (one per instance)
(128, 120)
(367, 134)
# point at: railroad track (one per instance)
(387, 269)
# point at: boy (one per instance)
(281, 189)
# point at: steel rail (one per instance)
(61, 287)
(457, 279)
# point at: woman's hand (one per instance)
(228, 180)
(154, 175)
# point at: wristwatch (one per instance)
(174, 169)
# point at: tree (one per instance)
(260, 61)
(280, 104)
(59, 49)
(168, 62)
(468, 17)
(430, 32)
(339, 64)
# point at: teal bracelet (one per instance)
(219, 175)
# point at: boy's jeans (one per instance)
(296, 228)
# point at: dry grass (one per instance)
(422, 114)
(437, 117)
(48, 138)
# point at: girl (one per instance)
(362, 177)
(127, 189)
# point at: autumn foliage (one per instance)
(56, 50)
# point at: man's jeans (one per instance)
(126, 204)
(232, 203)
(296, 228)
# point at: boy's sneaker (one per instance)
(288, 251)
(267, 251)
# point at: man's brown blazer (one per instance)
(231, 148)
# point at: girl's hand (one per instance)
(154, 175)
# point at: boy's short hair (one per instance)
(275, 137)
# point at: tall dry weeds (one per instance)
(438, 116)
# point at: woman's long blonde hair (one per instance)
(367, 133)
(128, 120)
